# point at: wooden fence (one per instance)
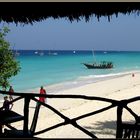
(123, 130)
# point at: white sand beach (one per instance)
(103, 125)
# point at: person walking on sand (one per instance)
(11, 90)
(42, 91)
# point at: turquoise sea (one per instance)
(65, 68)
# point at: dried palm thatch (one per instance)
(34, 12)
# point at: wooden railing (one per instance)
(30, 132)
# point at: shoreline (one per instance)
(85, 80)
(67, 85)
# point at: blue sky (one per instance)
(121, 33)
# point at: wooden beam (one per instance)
(26, 115)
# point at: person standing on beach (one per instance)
(11, 90)
(6, 104)
(42, 91)
(6, 107)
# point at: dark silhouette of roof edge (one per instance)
(30, 12)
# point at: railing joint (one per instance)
(123, 103)
(67, 121)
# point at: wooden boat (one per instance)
(103, 65)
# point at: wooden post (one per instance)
(119, 122)
(26, 115)
(0, 129)
(34, 122)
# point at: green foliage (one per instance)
(8, 65)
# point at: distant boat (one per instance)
(16, 53)
(52, 53)
(101, 65)
(41, 53)
(74, 51)
(55, 53)
(36, 52)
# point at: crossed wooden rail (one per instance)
(123, 130)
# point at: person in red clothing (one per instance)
(42, 91)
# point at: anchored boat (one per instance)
(101, 65)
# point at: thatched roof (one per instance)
(32, 12)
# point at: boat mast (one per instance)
(93, 56)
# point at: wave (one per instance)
(83, 80)
(106, 75)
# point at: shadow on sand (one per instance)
(103, 128)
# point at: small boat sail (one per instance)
(74, 51)
(36, 52)
(101, 65)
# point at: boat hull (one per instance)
(92, 66)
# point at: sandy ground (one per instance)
(103, 125)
